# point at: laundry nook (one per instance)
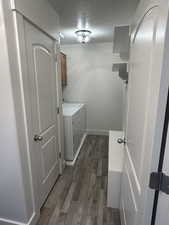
(84, 112)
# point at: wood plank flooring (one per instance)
(79, 195)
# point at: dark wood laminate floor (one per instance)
(79, 196)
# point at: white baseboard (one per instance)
(71, 163)
(33, 221)
(97, 132)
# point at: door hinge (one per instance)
(58, 110)
(60, 155)
(159, 182)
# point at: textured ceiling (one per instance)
(99, 16)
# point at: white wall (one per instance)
(91, 80)
(12, 195)
(16, 189)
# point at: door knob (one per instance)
(121, 141)
(38, 138)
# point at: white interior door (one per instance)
(43, 103)
(147, 44)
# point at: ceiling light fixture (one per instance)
(61, 35)
(83, 36)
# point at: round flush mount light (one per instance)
(83, 36)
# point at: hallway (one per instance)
(79, 196)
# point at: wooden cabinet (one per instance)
(63, 69)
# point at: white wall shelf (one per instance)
(120, 66)
(117, 59)
(121, 43)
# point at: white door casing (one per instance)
(162, 215)
(20, 204)
(146, 57)
(162, 212)
(40, 50)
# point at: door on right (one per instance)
(145, 73)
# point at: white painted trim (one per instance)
(21, 57)
(20, 42)
(122, 214)
(133, 198)
(16, 59)
(25, 203)
(133, 170)
(59, 105)
(130, 185)
(71, 163)
(115, 168)
(33, 221)
(40, 13)
(97, 132)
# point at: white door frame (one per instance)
(20, 40)
(164, 153)
(13, 12)
(59, 102)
